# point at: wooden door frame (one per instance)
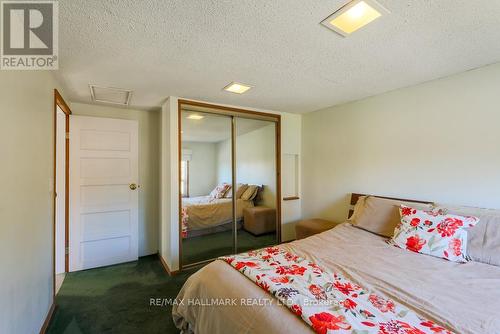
(237, 112)
(59, 102)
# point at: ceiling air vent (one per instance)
(110, 95)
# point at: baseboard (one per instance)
(48, 319)
(165, 266)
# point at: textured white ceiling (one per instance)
(194, 48)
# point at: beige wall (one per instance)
(149, 167)
(224, 162)
(435, 141)
(202, 168)
(26, 208)
(291, 143)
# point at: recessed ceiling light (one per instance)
(238, 88)
(354, 15)
(195, 116)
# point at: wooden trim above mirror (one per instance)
(225, 110)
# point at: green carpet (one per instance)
(211, 246)
(116, 299)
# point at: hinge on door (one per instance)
(67, 135)
(66, 250)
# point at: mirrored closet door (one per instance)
(255, 164)
(206, 175)
(229, 189)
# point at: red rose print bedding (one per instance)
(433, 233)
(184, 222)
(462, 297)
(327, 301)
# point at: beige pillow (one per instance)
(483, 240)
(380, 215)
(229, 194)
(250, 193)
(240, 189)
(358, 208)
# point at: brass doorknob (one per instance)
(133, 186)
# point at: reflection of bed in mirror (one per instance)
(204, 215)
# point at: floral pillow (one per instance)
(220, 191)
(433, 233)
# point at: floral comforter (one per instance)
(326, 301)
(464, 298)
(184, 222)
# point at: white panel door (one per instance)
(103, 225)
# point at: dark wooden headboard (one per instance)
(355, 197)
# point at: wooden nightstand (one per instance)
(308, 227)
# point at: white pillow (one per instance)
(220, 191)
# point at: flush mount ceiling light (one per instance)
(354, 15)
(195, 117)
(237, 88)
(110, 95)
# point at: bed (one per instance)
(464, 298)
(203, 215)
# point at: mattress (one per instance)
(465, 298)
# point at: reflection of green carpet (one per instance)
(213, 245)
(116, 299)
